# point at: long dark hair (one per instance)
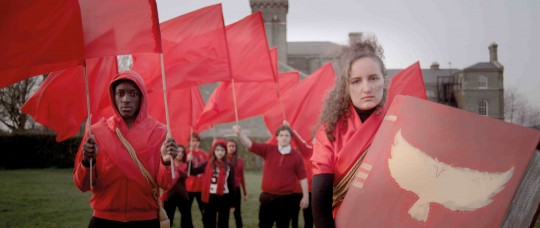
(183, 152)
(337, 104)
(218, 143)
(234, 158)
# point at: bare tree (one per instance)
(519, 110)
(11, 100)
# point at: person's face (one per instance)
(366, 83)
(219, 152)
(231, 148)
(284, 138)
(127, 97)
(194, 143)
(181, 154)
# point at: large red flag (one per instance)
(38, 37)
(431, 165)
(185, 106)
(302, 103)
(120, 27)
(60, 101)
(408, 81)
(220, 106)
(194, 51)
(248, 48)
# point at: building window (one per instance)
(482, 82)
(483, 108)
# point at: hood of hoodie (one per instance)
(137, 79)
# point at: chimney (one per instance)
(435, 66)
(355, 37)
(493, 52)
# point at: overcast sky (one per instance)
(456, 31)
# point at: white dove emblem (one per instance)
(456, 188)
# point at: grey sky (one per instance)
(456, 31)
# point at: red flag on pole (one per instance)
(194, 48)
(303, 103)
(431, 165)
(220, 107)
(120, 27)
(60, 104)
(185, 106)
(38, 37)
(248, 48)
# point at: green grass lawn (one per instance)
(48, 198)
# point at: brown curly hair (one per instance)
(338, 101)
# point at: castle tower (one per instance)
(274, 14)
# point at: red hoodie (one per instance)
(120, 191)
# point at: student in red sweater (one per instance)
(283, 167)
(121, 195)
(217, 187)
(194, 181)
(177, 196)
(239, 181)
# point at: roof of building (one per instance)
(317, 48)
(429, 75)
(483, 66)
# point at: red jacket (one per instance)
(120, 191)
(239, 180)
(194, 182)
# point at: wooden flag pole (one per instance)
(169, 135)
(89, 117)
(234, 101)
(191, 150)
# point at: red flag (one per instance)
(408, 81)
(220, 106)
(60, 101)
(302, 103)
(248, 48)
(38, 37)
(431, 165)
(120, 27)
(185, 106)
(194, 49)
(275, 63)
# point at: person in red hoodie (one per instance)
(239, 181)
(177, 196)
(121, 195)
(283, 168)
(194, 182)
(217, 186)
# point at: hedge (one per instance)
(42, 151)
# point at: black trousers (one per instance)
(99, 222)
(237, 201)
(185, 211)
(276, 208)
(216, 208)
(194, 195)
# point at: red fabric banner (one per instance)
(431, 165)
(248, 48)
(38, 37)
(60, 101)
(302, 104)
(185, 106)
(220, 105)
(120, 27)
(194, 49)
(275, 63)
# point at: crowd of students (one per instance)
(135, 155)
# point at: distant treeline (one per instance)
(27, 151)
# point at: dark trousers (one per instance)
(194, 195)
(216, 208)
(308, 216)
(99, 222)
(237, 201)
(275, 208)
(185, 211)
